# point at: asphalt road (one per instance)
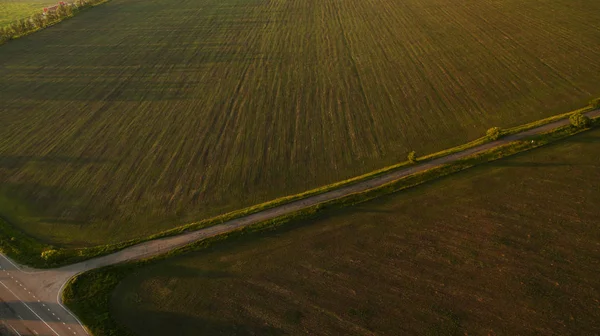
(27, 307)
(30, 299)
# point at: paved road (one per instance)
(30, 299)
(29, 308)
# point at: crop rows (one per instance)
(137, 116)
(506, 248)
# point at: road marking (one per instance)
(59, 301)
(25, 304)
(15, 330)
(17, 267)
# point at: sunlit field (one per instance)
(137, 116)
(13, 10)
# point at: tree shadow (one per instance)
(371, 210)
(585, 138)
(38, 204)
(507, 163)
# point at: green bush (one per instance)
(579, 120)
(595, 103)
(50, 255)
(38, 20)
(494, 133)
(412, 157)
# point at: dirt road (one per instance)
(30, 299)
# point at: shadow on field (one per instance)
(371, 210)
(17, 161)
(168, 323)
(42, 203)
(587, 138)
(533, 164)
(188, 272)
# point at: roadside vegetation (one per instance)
(15, 10)
(508, 247)
(145, 115)
(42, 19)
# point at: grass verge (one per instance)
(26, 250)
(39, 21)
(88, 294)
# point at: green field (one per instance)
(138, 116)
(11, 10)
(508, 248)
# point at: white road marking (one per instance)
(12, 263)
(25, 304)
(58, 300)
(15, 330)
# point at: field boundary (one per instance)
(42, 20)
(27, 250)
(88, 294)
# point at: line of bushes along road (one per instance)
(48, 17)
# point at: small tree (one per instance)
(579, 120)
(595, 103)
(494, 133)
(412, 157)
(50, 255)
(38, 20)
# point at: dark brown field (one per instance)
(509, 248)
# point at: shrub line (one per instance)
(45, 19)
